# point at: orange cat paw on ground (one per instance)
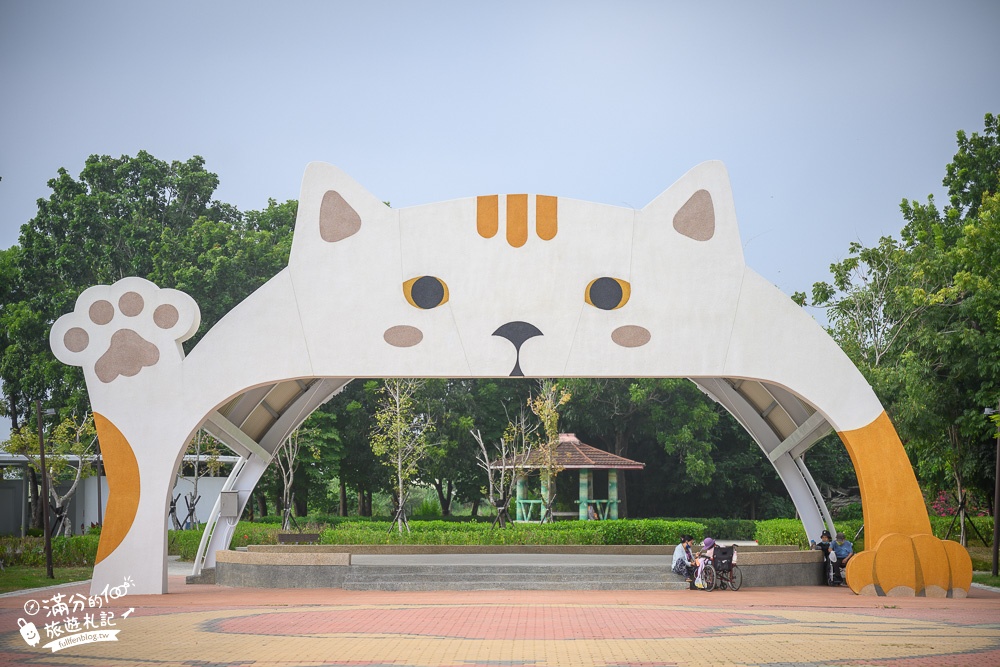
(908, 565)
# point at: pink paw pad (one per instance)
(121, 329)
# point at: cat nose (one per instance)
(517, 333)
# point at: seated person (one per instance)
(592, 513)
(844, 551)
(706, 555)
(684, 561)
(824, 542)
(825, 545)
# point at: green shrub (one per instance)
(647, 531)
(850, 529)
(726, 529)
(22, 551)
(775, 532)
(184, 543)
(76, 550)
(428, 508)
(849, 512)
(940, 525)
(268, 519)
(638, 531)
(73, 551)
(730, 529)
(247, 533)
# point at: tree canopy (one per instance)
(920, 316)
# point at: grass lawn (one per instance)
(982, 558)
(986, 580)
(18, 577)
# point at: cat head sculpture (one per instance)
(516, 284)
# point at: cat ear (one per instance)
(699, 205)
(333, 206)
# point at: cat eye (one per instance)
(425, 292)
(607, 293)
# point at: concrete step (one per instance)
(515, 586)
(457, 570)
(549, 577)
(563, 575)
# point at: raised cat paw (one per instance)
(117, 330)
(907, 565)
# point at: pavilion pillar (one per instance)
(584, 493)
(518, 511)
(612, 494)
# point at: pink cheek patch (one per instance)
(631, 336)
(403, 336)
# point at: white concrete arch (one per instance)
(486, 286)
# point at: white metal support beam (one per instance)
(230, 435)
(814, 489)
(798, 436)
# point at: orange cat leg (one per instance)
(123, 486)
(906, 558)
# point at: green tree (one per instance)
(450, 465)
(920, 318)
(865, 303)
(546, 405)
(204, 451)
(127, 216)
(504, 463)
(358, 468)
(318, 483)
(286, 458)
(626, 414)
(974, 172)
(68, 447)
(220, 262)
(401, 438)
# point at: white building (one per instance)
(83, 506)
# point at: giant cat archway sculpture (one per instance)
(485, 287)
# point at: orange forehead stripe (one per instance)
(488, 215)
(517, 220)
(546, 217)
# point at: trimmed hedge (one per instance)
(184, 543)
(781, 531)
(774, 532)
(726, 529)
(940, 524)
(622, 532)
(73, 551)
(81, 550)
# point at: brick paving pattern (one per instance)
(209, 626)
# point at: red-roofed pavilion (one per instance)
(571, 454)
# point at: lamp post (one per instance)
(45, 491)
(996, 493)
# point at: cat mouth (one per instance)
(517, 333)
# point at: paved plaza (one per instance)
(210, 626)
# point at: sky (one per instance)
(827, 115)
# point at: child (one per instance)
(705, 556)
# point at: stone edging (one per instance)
(283, 558)
(431, 549)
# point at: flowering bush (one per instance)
(944, 505)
